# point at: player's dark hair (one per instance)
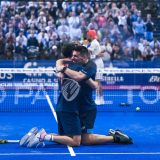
(67, 50)
(83, 50)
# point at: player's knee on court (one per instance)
(76, 141)
(86, 139)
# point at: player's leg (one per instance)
(69, 129)
(88, 138)
(87, 124)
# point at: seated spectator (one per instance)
(136, 54)
(116, 53)
(154, 42)
(32, 20)
(10, 35)
(32, 40)
(20, 51)
(148, 52)
(9, 51)
(22, 38)
(2, 46)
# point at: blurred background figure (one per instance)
(96, 55)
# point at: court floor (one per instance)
(143, 127)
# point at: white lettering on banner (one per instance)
(6, 75)
(144, 97)
(154, 98)
(148, 95)
(32, 69)
(113, 79)
(37, 80)
(22, 91)
(41, 69)
(35, 96)
(6, 84)
(154, 79)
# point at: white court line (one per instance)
(102, 153)
(72, 153)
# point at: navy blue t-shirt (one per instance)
(84, 101)
(86, 94)
(69, 106)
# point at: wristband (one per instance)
(64, 68)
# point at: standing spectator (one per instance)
(149, 28)
(139, 29)
(63, 29)
(43, 41)
(122, 19)
(92, 24)
(73, 19)
(75, 33)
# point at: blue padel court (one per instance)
(118, 112)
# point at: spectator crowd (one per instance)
(37, 30)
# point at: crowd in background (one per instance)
(37, 30)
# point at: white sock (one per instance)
(49, 137)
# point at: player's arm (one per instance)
(78, 76)
(93, 84)
(61, 62)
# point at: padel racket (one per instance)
(2, 141)
(70, 89)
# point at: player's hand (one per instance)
(60, 68)
(60, 76)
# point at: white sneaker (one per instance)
(99, 101)
(38, 139)
(26, 138)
